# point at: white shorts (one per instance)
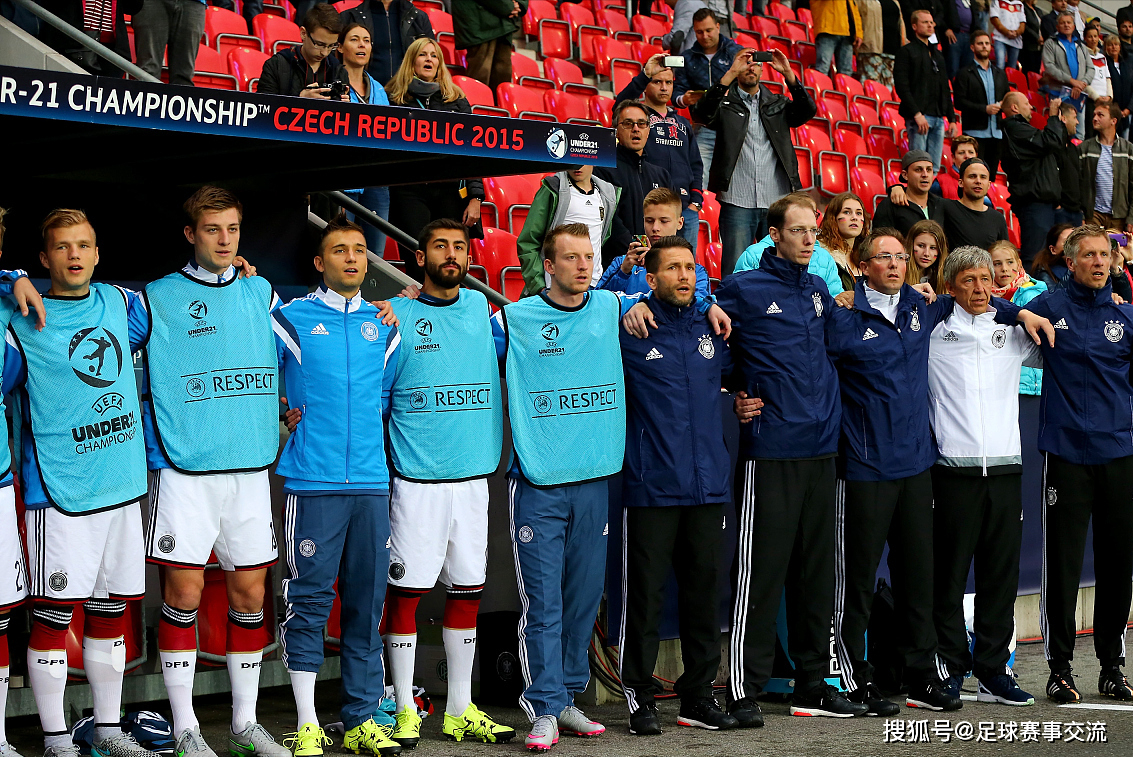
(13, 572)
(228, 514)
(438, 531)
(72, 558)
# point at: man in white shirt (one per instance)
(973, 373)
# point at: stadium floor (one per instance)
(783, 736)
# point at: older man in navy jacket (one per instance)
(675, 484)
(1086, 435)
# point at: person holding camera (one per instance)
(309, 68)
(753, 163)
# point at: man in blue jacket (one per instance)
(675, 484)
(671, 144)
(336, 517)
(779, 315)
(1086, 434)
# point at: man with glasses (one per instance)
(633, 174)
(309, 68)
(881, 349)
(753, 162)
(786, 475)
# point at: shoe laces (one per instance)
(317, 735)
(258, 731)
(544, 725)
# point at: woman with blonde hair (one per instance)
(423, 81)
(928, 249)
(844, 225)
(1011, 282)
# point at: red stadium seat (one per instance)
(344, 5)
(748, 40)
(507, 200)
(797, 31)
(877, 90)
(615, 61)
(710, 215)
(813, 137)
(568, 107)
(279, 10)
(276, 33)
(210, 70)
(584, 30)
(554, 38)
(818, 80)
(602, 110)
(833, 173)
(246, 64)
(618, 25)
(868, 185)
(891, 117)
(1017, 79)
(806, 173)
(805, 16)
(883, 146)
(998, 197)
(849, 85)
(1033, 80)
(441, 21)
(1014, 233)
(498, 254)
(643, 51)
(525, 71)
(780, 11)
(522, 102)
(766, 26)
(225, 30)
(862, 113)
(777, 87)
(536, 10)
(835, 104)
(649, 28)
(854, 147)
(479, 96)
(567, 76)
(804, 53)
(778, 43)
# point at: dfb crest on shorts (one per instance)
(1051, 496)
(369, 331)
(817, 304)
(999, 338)
(306, 548)
(57, 581)
(397, 571)
(706, 347)
(166, 544)
(915, 322)
(525, 534)
(1114, 330)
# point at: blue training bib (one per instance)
(212, 373)
(83, 402)
(566, 395)
(446, 420)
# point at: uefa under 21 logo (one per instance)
(557, 144)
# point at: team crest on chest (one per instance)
(915, 322)
(817, 304)
(1114, 330)
(1051, 496)
(706, 348)
(999, 338)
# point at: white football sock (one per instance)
(460, 649)
(178, 669)
(401, 649)
(303, 688)
(104, 661)
(47, 672)
(244, 673)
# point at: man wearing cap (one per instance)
(916, 170)
(969, 221)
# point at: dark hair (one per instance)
(866, 247)
(349, 28)
(1067, 108)
(1109, 104)
(426, 235)
(704, 13)
(1045, 257)
(337, 224)
(625, 105)
(322, 16)
(964, 139)
(566, 230)
(977, 34)
(778, 210)
(974, 162)
(828, 234)
(653, 257)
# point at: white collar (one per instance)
(886, 304)
(201, 274)
(335, 300)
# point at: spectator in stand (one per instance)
(1106, 171)
(1124, 14)
(883, 34)
(1067, 69)
(1120, 80)
(1049, 24)
(1125, 33)
(1031, 56)
(633, 174)
(942, 11)
(309, 68)
(927, 247)
(681, 37)
(662, 215)
(423, 81)
(844, 226)
(571, 196)
(1049, 266)
(921, 81)
(354, 49)
(1079, 21)
(706, 62)
(671, 144)
(1009, 21)
(173, 24)
(920, 204)
(754, 164)
(1100, 88)
(1031, 159)
(1014, 284)
(838, 33)
(394, 25)
(963, 147)
(484, 28)
(958, 53)
(969, 221)
(1069, 209)
(1120, 274)
(977, 92)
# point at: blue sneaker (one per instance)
(1003, 689)
(952, 685)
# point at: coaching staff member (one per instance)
(674, 500)
(1086, 433)
(978, 478)
(779, 313)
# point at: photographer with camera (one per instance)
(753, 163)
(308, 69)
